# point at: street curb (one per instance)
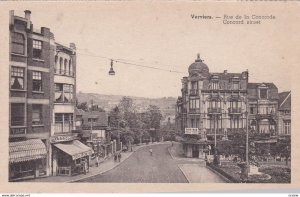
(189, 181)
(219, 174)
(72, 181)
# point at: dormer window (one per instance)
(263, 93)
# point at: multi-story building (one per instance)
(42, 100)
(263, 107)
(284, 114)
(31, 52)
(211, 107)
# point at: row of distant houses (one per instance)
(213, 106)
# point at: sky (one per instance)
(164, 35)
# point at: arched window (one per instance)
(70, 68)
(65, 67)
(55, 66)
(18, 43)
(60, 65)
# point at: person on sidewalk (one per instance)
(119, 156)
(115, 157)
(97, 160)
(150, 150)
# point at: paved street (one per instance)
(140, 167)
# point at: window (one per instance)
(56, 61)
(17, 114)
(263, 93)
(63, 93)
(235, 85)
(36, 81)
(37, 49)
(70, 68)
(37, 114)
(17, 78)
(18, 43)
(287, 127)
(215, 85)
(253, 109)
(63, 123)
(61, 71)
(194, 104)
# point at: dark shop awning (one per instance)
(76, 149)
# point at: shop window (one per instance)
(37, 115)
(18, 43)
(263, 93)
(17, 114)
(36, 81)
(37, 49)
(17, 78)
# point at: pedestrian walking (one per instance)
(150, 150)
(97, 161)
(115, 157)
(119, 156)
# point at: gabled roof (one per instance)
(255, 85)
(285, 100)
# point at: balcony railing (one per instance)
(265, 115)
(194, 92)
(195, 111)
(64, 72)
(62, 128)
(17, 130)
(214, 110)
(233, 110)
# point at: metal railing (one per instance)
(214, 110)
(194, 91)
(234, 110)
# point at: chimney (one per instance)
(27, 14)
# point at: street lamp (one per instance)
(111, 70)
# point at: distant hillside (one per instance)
(107, 102)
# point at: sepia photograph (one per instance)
(149, 92)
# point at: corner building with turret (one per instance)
(212, 107)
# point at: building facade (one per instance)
(31, 51)
(284, 114)
(211, 107)
(42, 103)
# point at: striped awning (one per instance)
(76, 149)
(26, 150)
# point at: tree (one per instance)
(84, 106)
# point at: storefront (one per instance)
(27, 159)
(69, 156)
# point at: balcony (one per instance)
(62, 128)
(268, 115)
(64, 72)
(214, 110)
(194, 92)
(236, 110)
(194, 111)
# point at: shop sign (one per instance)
(191, 131)
(61, 138)
(77, 156)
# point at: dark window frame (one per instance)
(37, 46)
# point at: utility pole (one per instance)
(247, 137)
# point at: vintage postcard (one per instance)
(127, 96)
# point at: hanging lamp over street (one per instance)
(111, 70)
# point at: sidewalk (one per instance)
(105, 166)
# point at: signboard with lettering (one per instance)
(61, 138)
(191, 131)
